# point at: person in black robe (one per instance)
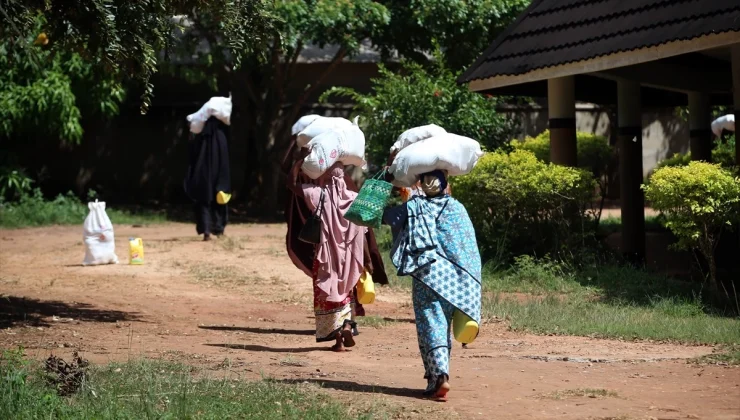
(208, 173)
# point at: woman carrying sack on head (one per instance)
(339, 256)
(208, 180)
(436, 246)
(296, 214)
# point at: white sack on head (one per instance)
(97, 234)
(344, 145)
(320, 126)
(303, 122)
(218, 106)
(415, 135)
(725, 122)
(455, 154)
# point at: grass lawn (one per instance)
(600, 300)
(153, 389)
(34, 210)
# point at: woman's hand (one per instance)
(391, 158)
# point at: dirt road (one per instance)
(238, 305)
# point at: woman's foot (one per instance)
(207, 237)
(339, 346)
(347, 336)
(438, 388)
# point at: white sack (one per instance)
(456, 154)
(322, 125)
(97, 234)
(726, 122)
(417, 134)
(303, 122)
(218, 107)
(344, 145)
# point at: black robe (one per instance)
(208, 173)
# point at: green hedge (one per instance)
(722, 154)
(521, 205)
(594, 152)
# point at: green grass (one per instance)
(581, 392)
(609, 225)
(153, 389)
(605, 301)
(602, 300)
(728, 355)
(373, 321)
(33, 210)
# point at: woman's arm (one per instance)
(368, 258)
(292, 181)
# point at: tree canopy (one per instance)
(52, 50)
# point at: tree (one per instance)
(414, 97)
(261, 89)
(50, 49)
(699, 200)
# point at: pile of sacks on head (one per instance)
(417, 151)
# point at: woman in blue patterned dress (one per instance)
(436, 246)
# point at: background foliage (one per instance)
(415, 96)
(523, 206)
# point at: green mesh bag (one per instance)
(367, 209)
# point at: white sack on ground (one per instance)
(417, 134)
(322, 125)
(725, 122)
(303, 122)
(344, 145)
(456, 154)
(218, 106)
(97, 234)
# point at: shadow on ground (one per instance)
(357, 387)
(251, 347)
(257, 330)
(25, 311)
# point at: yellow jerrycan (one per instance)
(366, 289)
(136, 251)
(464, 328)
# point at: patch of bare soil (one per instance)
(238, 305)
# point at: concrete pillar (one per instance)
(629, 116)
(561, 104)
(736, 95)
(700, 126)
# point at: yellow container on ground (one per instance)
(464, 328)
(366, 289)
(136, 251)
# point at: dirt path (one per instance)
(239, 305)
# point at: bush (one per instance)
(34, 210)
(699, 200)
(521, 205)
(723, 154)
(594, 154)
(414, 96)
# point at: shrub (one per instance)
(32, 209)
(699, 200)
(723, 154)
(521, 205)
(594, 152)
(414, 96)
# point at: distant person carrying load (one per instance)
(723, 125)
(208, 180)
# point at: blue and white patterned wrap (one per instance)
(437, 246)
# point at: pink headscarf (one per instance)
(340, 253)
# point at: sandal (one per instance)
(347, 338)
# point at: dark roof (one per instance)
(554, 32)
